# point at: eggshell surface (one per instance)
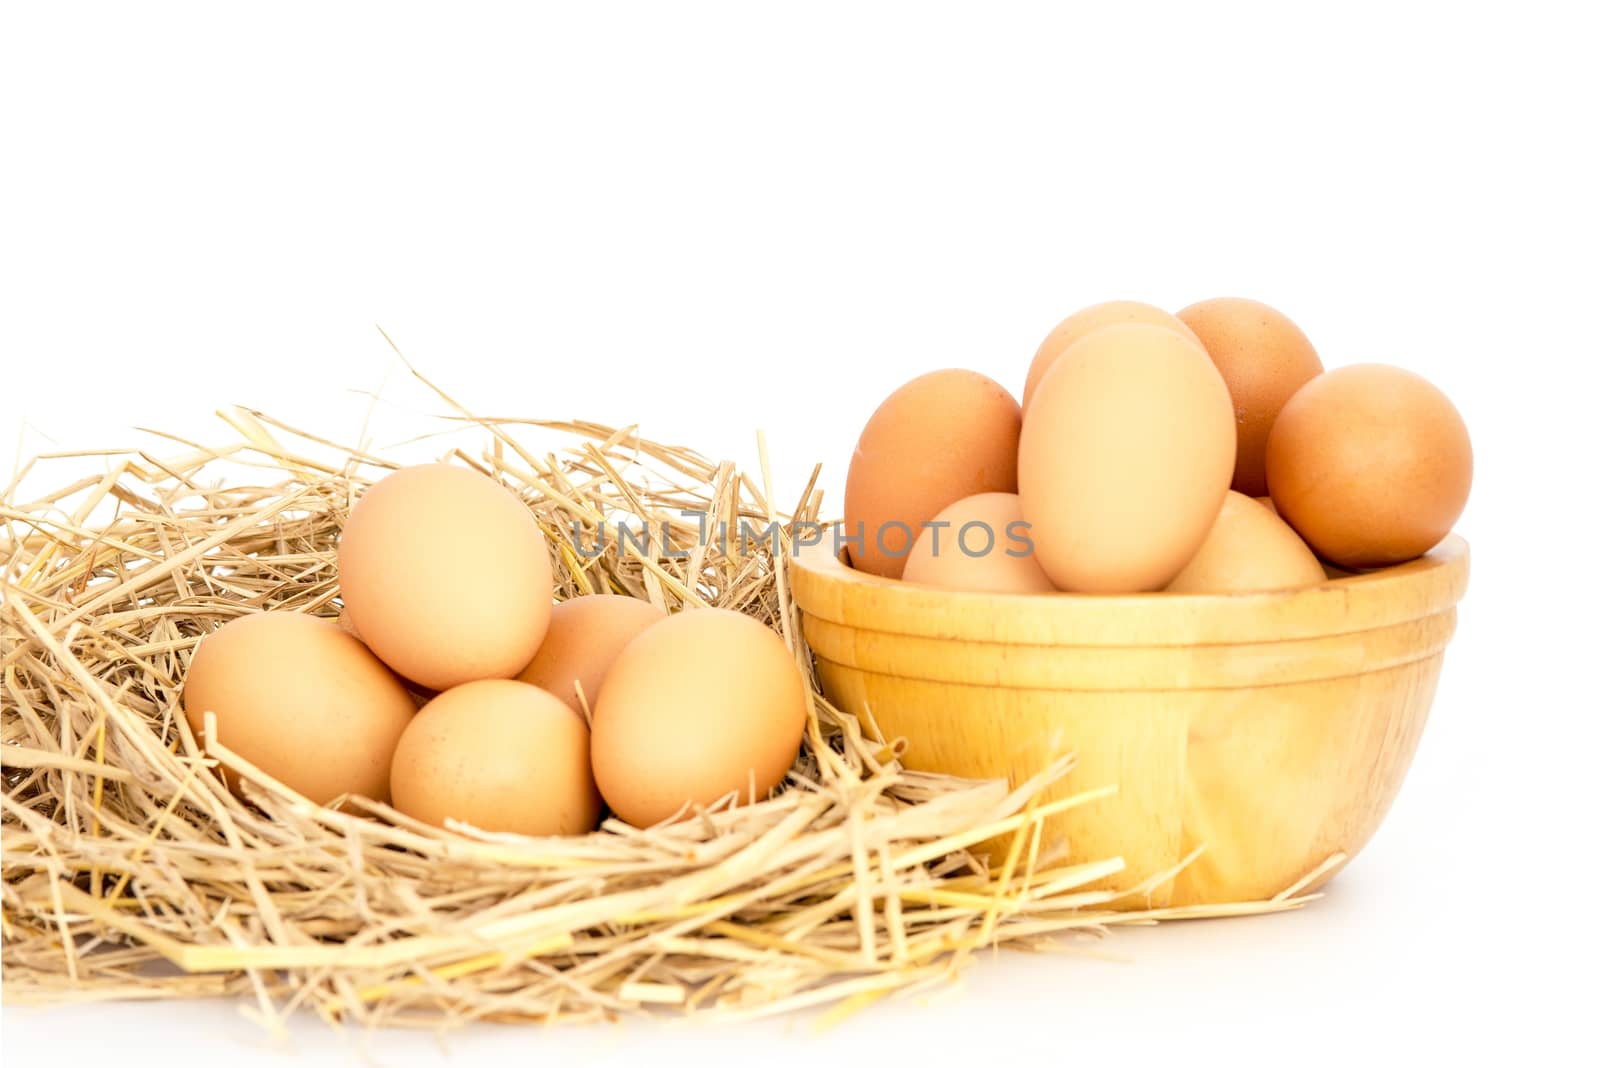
(1264, 358)
(1370, 464)
(586, 634)
(302, 700)
(980, 544)
(345, 625)
(1248, 549)
(706, 703)
(500, 755)
(446, 576)
(938, 438)
(1080, 323)
(1125, 457)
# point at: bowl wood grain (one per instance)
(1272, 728)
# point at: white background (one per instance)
(717, 218)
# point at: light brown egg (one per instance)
(420, 695)
(585, 636)
(979, 543)
(301, 700)
(938, 438)
(446, 576)
(1249, 549)
(346, 625)
(1263, 358)
(1125, 457)
(500, 755)
(706, 703)
(1370, 464)
(1082, 322)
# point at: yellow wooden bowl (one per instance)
(1271, 728)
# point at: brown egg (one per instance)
(500, 755)
(1075, 326)
(346, 625)
(1125, 457)
(420, 695)
(1263, 358)
(301, 700)
(936, 439)
(703, 704)
(585, 636)
(1249, 549)
(979, 543)
(1370, 464)
(446, 576)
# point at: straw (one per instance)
(130, 871)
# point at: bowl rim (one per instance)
(826, 587)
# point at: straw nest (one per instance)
(130, 872)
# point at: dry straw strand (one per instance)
(123, 851)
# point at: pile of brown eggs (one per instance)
(1205, 451)
(532, 714)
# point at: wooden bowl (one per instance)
(1272, 728)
